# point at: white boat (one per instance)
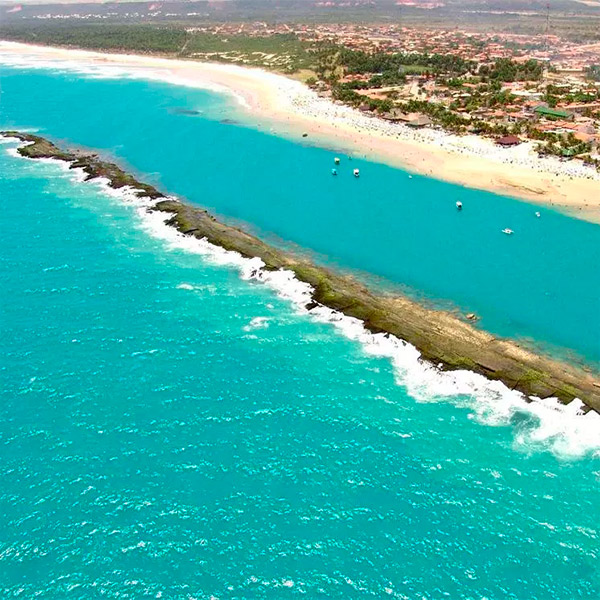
(336, 160)
(508, 231)
(334, 171)
(356, 173)
(537, 214)
(459, 205)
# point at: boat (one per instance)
(459, 205)
(336, 160)
(334, 171)
(537, 214)
(356, 173)
(508, 231)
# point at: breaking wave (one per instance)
(86, 67)
(538, 424)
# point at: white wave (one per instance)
(563, 429)
(13, 152)
(6, 139)
(91, 70)
(545, 424)
(211, 289)
(257, 323)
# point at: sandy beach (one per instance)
(287, 107)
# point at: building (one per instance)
(508, 140)
(553, 113)
(419, 121)
(582, 107)
(416, 120)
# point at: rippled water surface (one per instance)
(169, 430)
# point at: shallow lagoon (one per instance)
(539, 283)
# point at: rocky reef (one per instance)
(441, 337)
(91, 164)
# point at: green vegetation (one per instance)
(439, 114)
(507, 70)
(133, 38)
(593, 72)
(346, 94)
(564, 146)
(390, 68)
(469, 97)
(565, 95)
(283, 52)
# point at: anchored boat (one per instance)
(356, 173)
(508, 231)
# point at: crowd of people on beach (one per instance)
(307, 103)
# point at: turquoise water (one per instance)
(154, 442)
(158, 441)
(540, 283)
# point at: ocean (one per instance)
(171, 428)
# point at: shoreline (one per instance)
(289, 108)
(441, 338)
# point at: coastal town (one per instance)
(509, 87)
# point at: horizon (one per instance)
(413, 4)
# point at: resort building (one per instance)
(508, 141)
(553, 113)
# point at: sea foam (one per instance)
(91, 70)
(565, 430)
